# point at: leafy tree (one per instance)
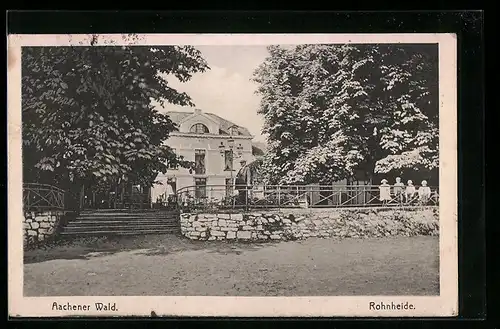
(87, 112)
(331, 111)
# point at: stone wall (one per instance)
(39, 226)
(304, 223)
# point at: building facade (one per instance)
(216, 146)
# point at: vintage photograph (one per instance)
(307, 167)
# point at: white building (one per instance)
(215, 145)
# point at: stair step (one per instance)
(131, 214)
(114, 227)
(123, 219)
(120, 232)
(127, 212)
(132, 222)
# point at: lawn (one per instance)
(168, 265)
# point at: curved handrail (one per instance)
(28, 185)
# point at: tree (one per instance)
(333, 110)
(88, 117)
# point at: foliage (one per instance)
(331, 110)
(87, 113)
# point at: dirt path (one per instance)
(168, 265)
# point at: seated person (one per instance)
(424, 192)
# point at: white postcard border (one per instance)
(446, 304)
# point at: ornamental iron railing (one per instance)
(37, 197)
(302, 196)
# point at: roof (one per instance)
(224, 124)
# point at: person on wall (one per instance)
(385, 192)
(410, 192)
(399, 190)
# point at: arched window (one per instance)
(199, 128)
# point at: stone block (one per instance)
(275, 237)
(259, 228)
(32, 232)
(217, 233)
(263, 236)
(222, 222)
(42, 231)
(220, 238)
(243, 235)
(35, 225)
(248, 228)
(237, 217)
(42, 218)
(263, 220)
(231, 229)
(231, 235)
(286, 221)
(203, 234)
(224, 216)
(200, 229)
(195, 234)
(45, 225)
(211, 238)
(197, 224)
(26, 226)
(41, 237)
(271, 220)
(254, 235)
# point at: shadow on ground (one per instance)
(149, 245)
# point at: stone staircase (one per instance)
(122, 222)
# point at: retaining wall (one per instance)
(304, 223)
(39, 226)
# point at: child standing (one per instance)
(385, 192)
(398, 190)
(410, 191)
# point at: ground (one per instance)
(167, 265)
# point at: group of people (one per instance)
(402, 193)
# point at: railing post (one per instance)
(279, 196)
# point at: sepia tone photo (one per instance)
(232, 175)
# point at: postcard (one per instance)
(236, 175)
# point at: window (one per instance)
(228, 160)
(200, 187)
(199, 162)
(172, 166)
(199, 128)
(233, 130)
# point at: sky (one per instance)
(226, 89)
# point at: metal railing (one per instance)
(298, 196)
(42, 197)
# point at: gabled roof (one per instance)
(224, 124)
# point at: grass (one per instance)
(168, 265)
